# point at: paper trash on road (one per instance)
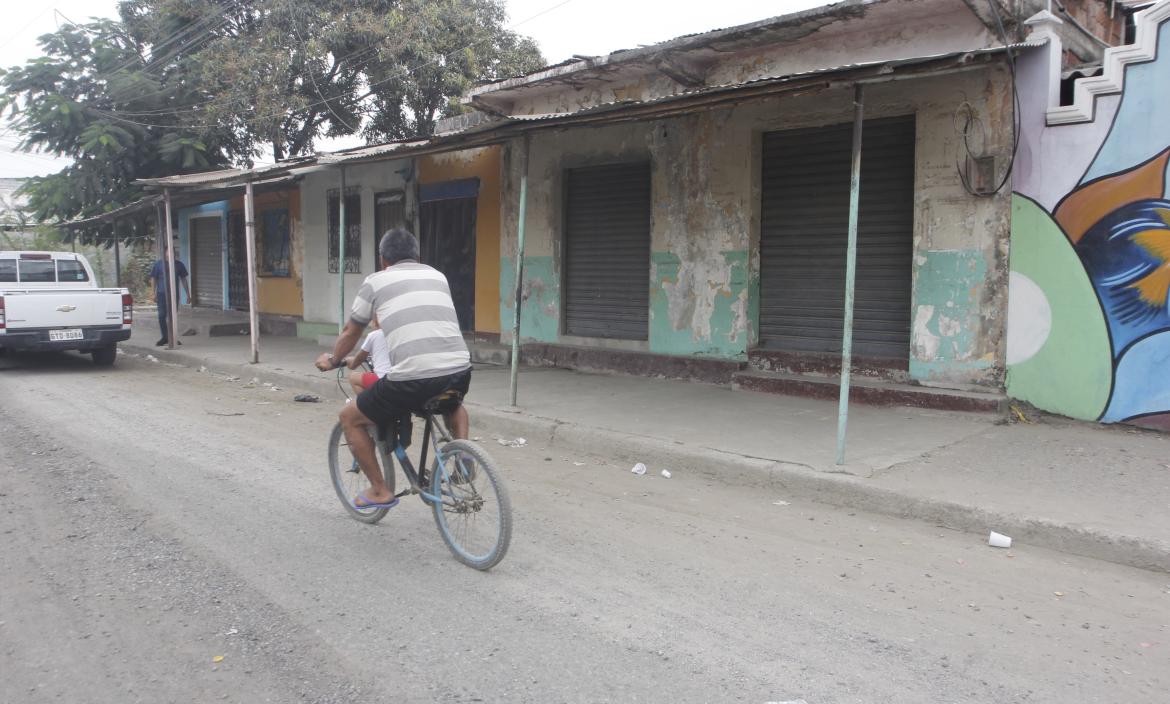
(998, 540)
(518, 442)
(578, 464)
(152, 358)
(780, 503)
(639, 469)
(666, 473)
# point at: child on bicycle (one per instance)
(374, 348)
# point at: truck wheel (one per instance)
(105, 356)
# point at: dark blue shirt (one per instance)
(158, 272)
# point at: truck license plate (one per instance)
(61, 335)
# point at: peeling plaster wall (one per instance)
(704, 273)
(320, 286)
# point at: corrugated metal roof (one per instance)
(481, 134)
(840, 9)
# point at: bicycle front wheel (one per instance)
(348, 478)
(474, 513)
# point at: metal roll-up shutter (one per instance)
(207, 262)
(607, 251)
(804, 236)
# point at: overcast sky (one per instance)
(562, 28)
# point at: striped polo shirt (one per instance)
(412, 303)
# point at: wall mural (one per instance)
(1089, 310)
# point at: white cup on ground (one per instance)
(998, 540)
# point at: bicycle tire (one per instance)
(463, 489)
(345, 480)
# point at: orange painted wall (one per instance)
(483, 163)
(280, 295)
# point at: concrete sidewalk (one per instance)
(1098, 491)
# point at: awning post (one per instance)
(250, 243)
(519, 293)
(172, 283)
(117, 258)
(850, 272)
(341, 257)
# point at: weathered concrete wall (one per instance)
(320, 286)
(704, 273)
(484, 164)
(1089, 329)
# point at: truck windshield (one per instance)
(38, 272)
(70, 270)
(7, 271)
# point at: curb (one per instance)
(793, 480)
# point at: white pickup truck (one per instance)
(50, 301)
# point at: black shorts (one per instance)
(387, 399)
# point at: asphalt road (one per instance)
(159, 547)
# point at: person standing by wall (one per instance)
(160, 279)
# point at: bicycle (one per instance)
(463, 487)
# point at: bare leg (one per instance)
(356, 427)
(458, 422)
(355, 381)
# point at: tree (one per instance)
(419, 74)
(94, 96)
(283, 73)
(176, 86)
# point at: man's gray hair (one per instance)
(398, 245)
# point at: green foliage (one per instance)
(178, 86)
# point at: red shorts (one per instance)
(368, 379)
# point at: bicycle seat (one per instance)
(445, 402)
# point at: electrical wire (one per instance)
(1016, 119)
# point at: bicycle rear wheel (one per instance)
(475, 513)
(348, 478)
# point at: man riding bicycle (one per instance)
(412, 305)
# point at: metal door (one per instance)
(448, 244)
(607, 251)
(207, 262)
(237, 261)
(803, 238)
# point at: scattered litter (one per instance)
(999, 540)
(233, 378)
(120, 350)
(1020, 414)
(232, 632)
(216, 413)
(264, 403)
(476, 438)
(152, 358)
(1058, 593)
(518, 442)
(666, 473)
(275, 388)
(578, 464)
(960, 561)
(639, 469)
(781, 503)
(217, 658)
(1145, 645)
(307, 398)
(267, 383)
(202, 369)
